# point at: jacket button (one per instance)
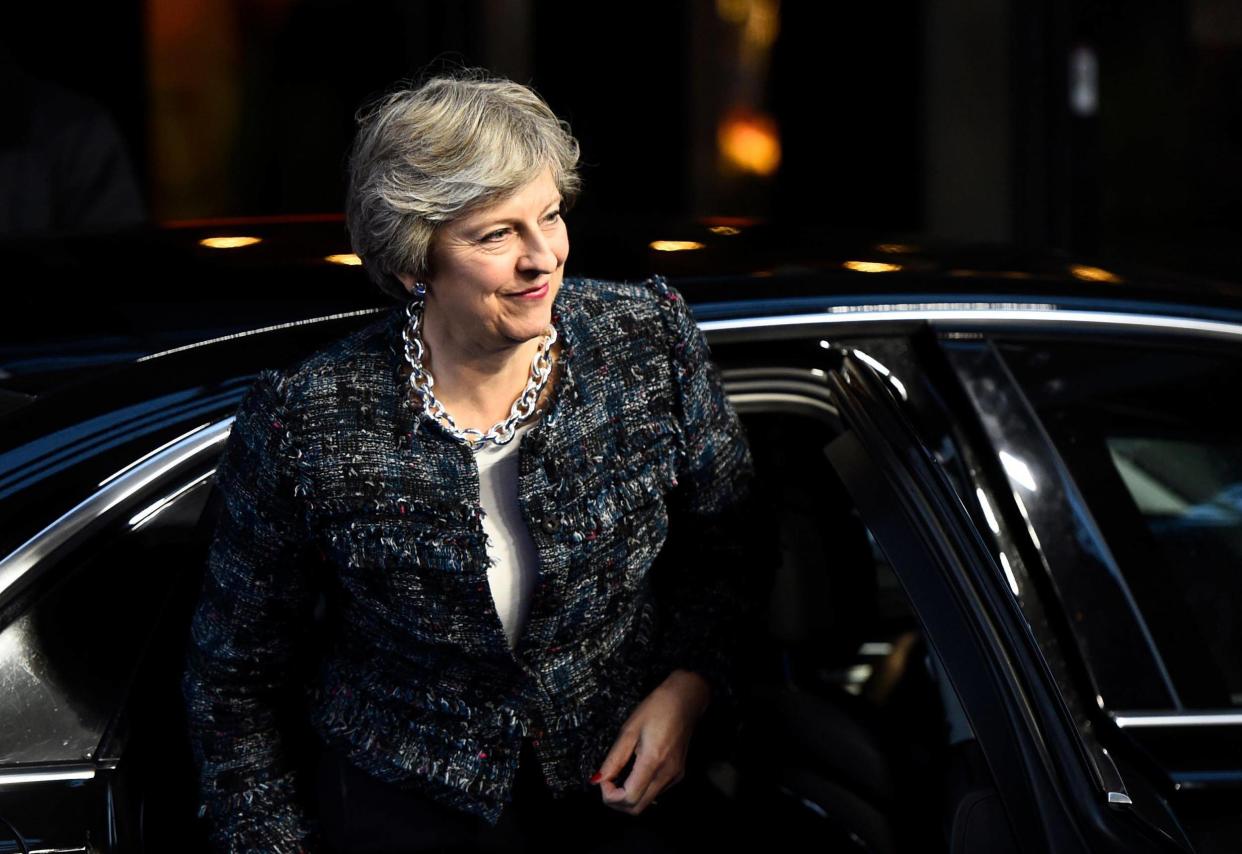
(551, 523)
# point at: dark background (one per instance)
(956, 119)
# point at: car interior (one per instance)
(851, 737)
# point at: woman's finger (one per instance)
(640, 784)
(664, 777)
(620, 753)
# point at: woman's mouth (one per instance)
(535, 293)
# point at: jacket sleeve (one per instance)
(241, 635)
(712, 564)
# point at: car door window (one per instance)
(1145, 433)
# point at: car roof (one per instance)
(85, 302)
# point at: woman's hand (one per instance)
(659, 729)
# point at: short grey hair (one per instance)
(426, 154)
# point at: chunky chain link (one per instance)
(421, 382)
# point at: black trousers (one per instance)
(360, 813)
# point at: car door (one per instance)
(1060, 790)
(1136, 529)
(1045, 785)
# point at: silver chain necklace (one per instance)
(501, 432)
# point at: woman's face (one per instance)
(482, 260)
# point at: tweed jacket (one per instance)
(636, 487)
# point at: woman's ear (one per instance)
(407, 281)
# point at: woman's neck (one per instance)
(476, 385)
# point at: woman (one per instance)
(529, 492)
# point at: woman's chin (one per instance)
(531, 325)
(526, 333)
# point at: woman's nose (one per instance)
(538, 254)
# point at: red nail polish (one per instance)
(596, 777)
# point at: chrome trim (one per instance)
(987, 313)
(1119, 798)
(784, 388)
(151, 453)
(1175, 719)
(157, 507)
(983, 314)
(814, 376)
(113, 493)
(261, 330)
(47, 774)
(788, 402)
(775, 385)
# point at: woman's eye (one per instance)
(495, 236)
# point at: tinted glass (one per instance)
(1147, 434)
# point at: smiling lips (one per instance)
(533, 293)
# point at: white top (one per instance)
(514, 564)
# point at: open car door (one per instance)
(1056, 790)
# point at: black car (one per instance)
(1010, 492)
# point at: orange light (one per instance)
(229, 242)
(1093, 274)
(726, 230)
(675, 245)
(349, 259)
(871, 267)
(750, 142)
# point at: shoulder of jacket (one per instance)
(349, 353)
(613, 290)
(643, 302)
(649, 313)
